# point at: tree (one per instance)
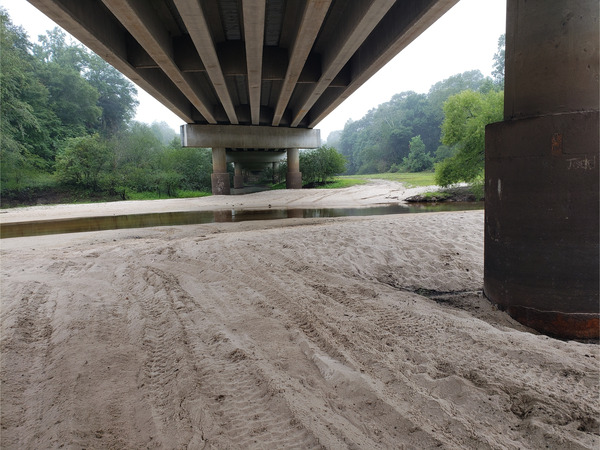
(164, 132)
(71, 97)
(466, 115)
(499, 62)
(24, 112)
(116, 95)
(82, 161)
(334, 138)
(418, 160)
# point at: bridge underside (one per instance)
(277, 63)
(252, 78)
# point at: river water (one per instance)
(85, 224)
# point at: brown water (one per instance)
(83, 224)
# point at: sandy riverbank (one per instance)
(365, 332)
(376, 192)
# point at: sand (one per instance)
(367, 332)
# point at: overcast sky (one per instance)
(465, 38)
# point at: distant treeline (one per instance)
(413, 131)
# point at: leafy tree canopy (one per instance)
(466, 115)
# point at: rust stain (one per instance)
(563, 325)
(557, 144)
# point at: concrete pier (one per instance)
(238, 177)
(220, 178)
(542, 171)
(294, 176)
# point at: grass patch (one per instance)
(152, 195)
(342, 182)
(278, 186)
(436, 196)
(54, 194)
(192, 194)
(408, 179)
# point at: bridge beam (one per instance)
(542, 171)
(242, 136)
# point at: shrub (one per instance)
(417, 160)
(82, 160)
(317, 166)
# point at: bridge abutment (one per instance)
(542, 171)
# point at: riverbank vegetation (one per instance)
(442, 130)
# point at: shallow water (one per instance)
(84, 224)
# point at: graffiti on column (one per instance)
(581, 163)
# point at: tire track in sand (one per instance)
(211, 391)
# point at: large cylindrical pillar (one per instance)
(238, 177)
(542, 170)
(294, 176)
(220, 178)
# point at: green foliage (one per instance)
(417, 160)
(340, 183)
(165, 134)
(321, 164)
(444, 152)
(82, 160)
(499, 61)
(194, 166)
(59, 67)
(334, 138)
(436, 196)
(379, 142)
(116, 95)
(466, 115)
(51, 92)
(20, 155)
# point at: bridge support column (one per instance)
(542, 171)
(294, 176)
(220, 178)
(238, 177)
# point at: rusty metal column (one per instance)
(294, 176)
(220, 178)
(238, 178)
(542, 171)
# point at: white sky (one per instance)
(465, 38)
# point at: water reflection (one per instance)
(77, 225)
